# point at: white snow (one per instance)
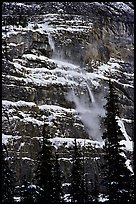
(128, 164)
(33, 120)
(119, 5)
(28, 119)
(56, 108)
(32, 186)
(67, 198)
(22, 4)
(27, 158)
(109, 67)
(89, 112)
(17, 104)
(21, 145)
(128, 74)
(65, 159)
(17, 65)
(127, 142)
(44, 76)
(64, 63)
(45, 27)
(122, 127)
(66, 184)
(12, 44)
(90, 94)
(125, 85)
(42, 27)
(17, 199)
(102, 70)
(58, 141)
(5, 138)
(64, 73)
(127, 120)
(102, 198)
(33, 57)
(51, 42)
(123, 6)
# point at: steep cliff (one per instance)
(55, 71)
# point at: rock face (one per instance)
(55, 71)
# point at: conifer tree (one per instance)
(86, 190)
(117, 177)
(44, 172)
(7, 176)
(85, 177)
(5, 46)
(77, 183)
(27, 192)
(95, 191)
(57, 181)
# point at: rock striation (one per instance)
(55, 72)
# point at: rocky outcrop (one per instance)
(53, 71)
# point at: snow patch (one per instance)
(17, 199)
(27, 158)
(56, 108)
(127, 142)
(67, 198)
(17, 104)
(102, 198)
(122, 128)
(21, 145)
(59, 141)
(33, 120)
(128, 164)
(5, 138)
(66, 184)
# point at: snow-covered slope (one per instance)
(57, 71)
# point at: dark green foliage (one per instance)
(16, 20)
(86, 190)
(27, 192)
(87, 195)
(117, 177)
(7, 176)
(23, 21)
(44, 172)
(5, 50)
(95, 189)
(77, 183)
(57, 180)
(4, 45)
(48, 174)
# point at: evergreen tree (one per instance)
(77, 183)
(85, 177)
(4, 43)
(44, 172)
(117, 177)
(58, 193)
(95, 191)
(86, 190)
(27, 192)
(7, 177)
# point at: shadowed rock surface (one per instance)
(65, 48)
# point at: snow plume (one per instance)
(56, 53)
(90, 113)
(51, 42)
